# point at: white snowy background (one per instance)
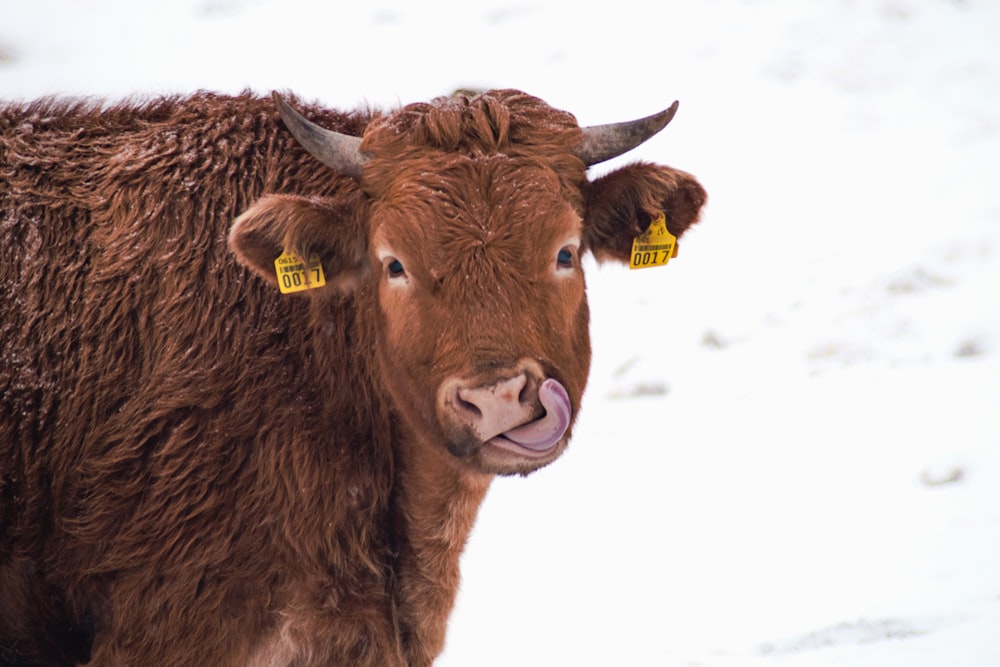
(789, 452)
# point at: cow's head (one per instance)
(465, 222)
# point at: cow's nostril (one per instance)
(467, 406)
(529, 392)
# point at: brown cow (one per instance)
(196, 469)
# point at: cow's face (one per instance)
(484, 315)
(462, 237)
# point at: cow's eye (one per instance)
(564, 260)
(394, 269)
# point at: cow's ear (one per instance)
(621, 204)
(304, 227)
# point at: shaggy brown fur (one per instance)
(197, 470)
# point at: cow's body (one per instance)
(196, 469)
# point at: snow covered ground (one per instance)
(789, 453)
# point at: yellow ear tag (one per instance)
(654, 247)
(294, 277)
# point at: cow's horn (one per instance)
(340, 152)
(603, 142)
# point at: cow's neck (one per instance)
(436, 505)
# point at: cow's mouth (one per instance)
(540, 437)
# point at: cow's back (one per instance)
(113, 270)
(151, 387)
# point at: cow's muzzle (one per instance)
(523, 413)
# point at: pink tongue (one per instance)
(549, 429)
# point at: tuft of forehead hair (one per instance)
(419, 145)
(501, 121)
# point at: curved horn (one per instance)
(340, 152)
(603, 142)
